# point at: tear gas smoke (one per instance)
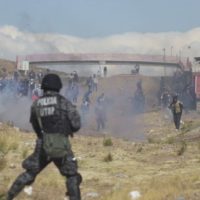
(121, 120)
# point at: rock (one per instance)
(12, 166)
(79, 158)
(28, 190)
(151, 131)
(135, 195)
(92, 194)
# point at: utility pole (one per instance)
(164, 59)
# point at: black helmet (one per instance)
(51, 82)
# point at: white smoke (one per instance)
(16, 42)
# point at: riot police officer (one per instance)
(52, 116)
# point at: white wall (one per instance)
(87, 69)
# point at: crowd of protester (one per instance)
(28, 85)
(19, 84)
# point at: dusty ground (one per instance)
(135, 153)
(165, 166)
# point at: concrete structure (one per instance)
(88, 64)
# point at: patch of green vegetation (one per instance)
(107, 142)
(139, 149)
(3, 147)
(170, 140)
(182, 148)
(3, 163)
(153, 140)
(2, 196)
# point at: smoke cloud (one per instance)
(14, 41)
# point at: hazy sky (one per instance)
(97, 18)
(99, 26)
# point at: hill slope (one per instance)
(7, 64)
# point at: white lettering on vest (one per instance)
(46, 101)
(47, 111)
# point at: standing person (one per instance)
(40, 76)
(100, 112)
(165, 99)
(105, 71)
(54, 119)
(75, 77)
(176, 107)
(139, 99)
(95, 82)
(90, 83)
(85, 107)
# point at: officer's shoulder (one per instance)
(61, 97)
(34, 105)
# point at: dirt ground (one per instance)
(164, 166)
(140, 152)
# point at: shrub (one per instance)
(108, 158)
(153, 140)
(170, 140)
(150, 139)
(107, 142)
(139, 149)
(182, 149)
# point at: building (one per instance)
(88, 64)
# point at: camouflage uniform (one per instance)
(58, 115)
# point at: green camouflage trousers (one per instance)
(37, 161)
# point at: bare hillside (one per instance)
(7, 64)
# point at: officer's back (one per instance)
(53, 118)
(57, 114)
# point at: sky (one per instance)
(97, 18)
(130, 26)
